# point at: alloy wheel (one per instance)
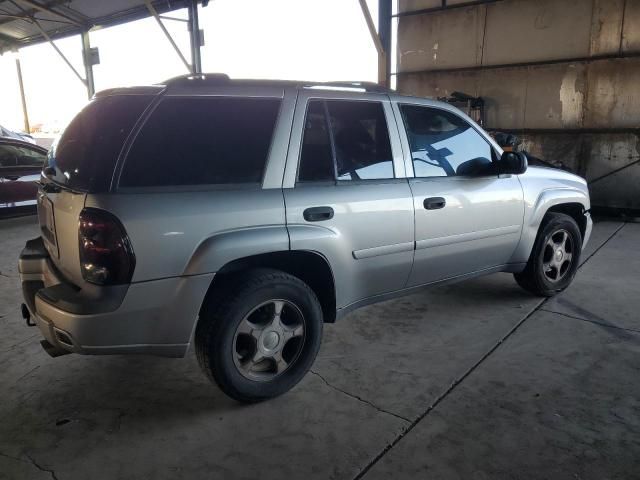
(557, 256)
(268, 340)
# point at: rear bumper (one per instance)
(154, 317)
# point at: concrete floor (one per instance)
(476, 380)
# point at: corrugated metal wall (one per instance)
(562, 74)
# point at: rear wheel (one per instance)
(259, 337)
(555, 256)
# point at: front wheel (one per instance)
(555, 256)
(259, 337)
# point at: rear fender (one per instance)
(216, 251)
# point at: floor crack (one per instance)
(460, 379)
(12, 457)
(41, 468)
(356, 397)
(603, 324)
(601, 245)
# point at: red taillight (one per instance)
(106, 256)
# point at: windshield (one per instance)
(85, 155)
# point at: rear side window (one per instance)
(85, 155)
(202, 141)
(345, 140)
(316, 163)
(361, 137)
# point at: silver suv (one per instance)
(241, 215)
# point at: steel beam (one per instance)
(445, 6)
(155, 15)
(194, 37)
(382, 55)
(384, 32)
(88, 65)
(536, 63)
(25, 115)
(49, 11)
(55, 47)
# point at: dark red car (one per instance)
(20, 167)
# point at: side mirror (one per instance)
(513, 163)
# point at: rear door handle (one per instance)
(434, 203)
(318, 214)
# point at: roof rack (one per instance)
(200, 78)
(213, 79)
(366, 86)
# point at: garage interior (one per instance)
(471, 380)
(561, 75)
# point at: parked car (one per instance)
(20, 167)
(241, 215)
(25, 137)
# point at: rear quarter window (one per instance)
(202, 141)
(86, 153)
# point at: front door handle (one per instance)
(318, 214)
(434, 203)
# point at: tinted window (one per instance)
(202, 141)
(361, 138)
(316, 160)
(443, 144)
(85, 155)
(358, 131)
(15, 156)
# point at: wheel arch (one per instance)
(573, 209)
(570, 201)
(309, 266)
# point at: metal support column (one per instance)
(155, 15)
(88, 64)
(382, 56)
(22, 97)
(194, 37)
(58, 51)
(384, 31)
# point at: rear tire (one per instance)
(257, 337)
(555, 256)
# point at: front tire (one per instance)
(555, 256)
(259, 336)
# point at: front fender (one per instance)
(537, 208)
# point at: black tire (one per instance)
(533, 277)
(221, 316)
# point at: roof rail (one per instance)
(214, 79)
(198, 79)
(365, 86)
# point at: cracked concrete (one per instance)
(40, 467)
(359, 398)
(474, 380)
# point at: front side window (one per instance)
(345, 140)
(202, 141)
(444, 144)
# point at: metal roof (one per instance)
(22, 21)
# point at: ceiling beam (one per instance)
(48, 10)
